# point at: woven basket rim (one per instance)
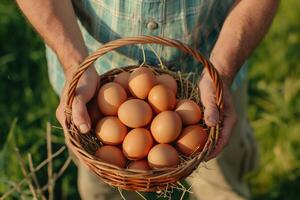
(151, 180)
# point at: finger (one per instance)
(60, 116)
(80, 114)
(224, 138)
(208, 99)
(94, 112)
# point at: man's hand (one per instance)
(211, 112)
(240, 34)
(86, 89)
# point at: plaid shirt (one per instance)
(196, 22)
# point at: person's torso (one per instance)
(195, 22)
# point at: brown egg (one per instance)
(135, 113)
(189, 111)
(166, 127)
(122, 79)
(161, 98)
(110, 130)
(111, 155)
(191, 140)
(167, 80)
(139, 165)
(162, 156)
(110, 97)
(137, 144)
(141, 81)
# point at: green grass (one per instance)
(27, 102)
(274, 110)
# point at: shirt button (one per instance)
(152, 25)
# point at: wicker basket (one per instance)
(84, 145)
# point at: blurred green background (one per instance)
(27, 102)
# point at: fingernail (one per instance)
(211, 120)
(84, 128)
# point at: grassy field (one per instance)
(27, 103)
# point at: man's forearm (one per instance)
(243, 29)
(55, 21)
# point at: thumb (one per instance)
(85, 90)
(80, 114)
(208, 99)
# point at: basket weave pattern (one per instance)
(84, 145)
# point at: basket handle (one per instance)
(140, 40)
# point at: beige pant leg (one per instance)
(222, 178)
(92, 188)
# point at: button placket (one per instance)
(151, 15)
(152, 12)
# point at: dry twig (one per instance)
(50, 165)
(34, 178)
(17, 186)
(24, 171)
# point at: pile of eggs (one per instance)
(144, 126)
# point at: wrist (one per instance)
(224, 69)
(71, 63)
(71, 58)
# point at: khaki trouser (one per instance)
(221, 179)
